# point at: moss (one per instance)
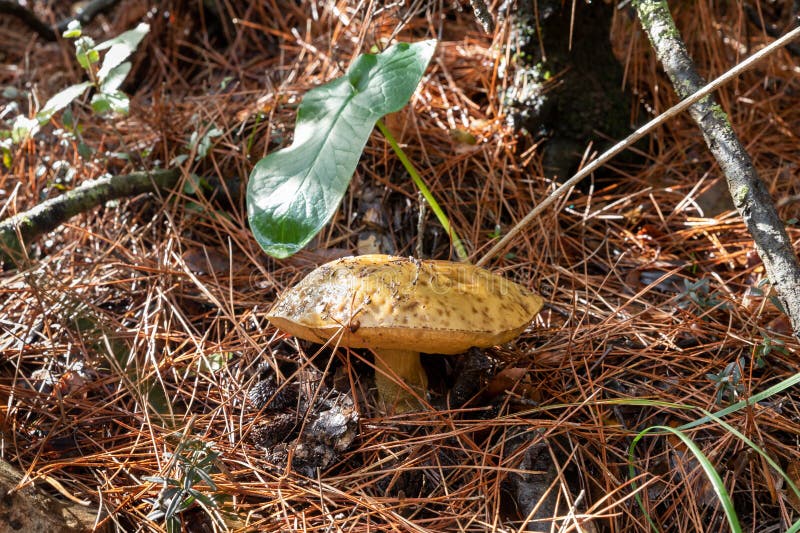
(685, 88)
(740, 195)
(651, 12)
(719, 113)
(587, 98)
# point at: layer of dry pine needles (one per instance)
(140, 326)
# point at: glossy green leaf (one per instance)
(114, 102)
(60, 100)
(294, 192)
(115, 77)
(22, 128)
(120, 47)
(73, 30)
(85, 52)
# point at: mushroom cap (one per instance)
(387, 302)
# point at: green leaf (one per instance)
(100, 103)
(120, 47)
(202, 143)
(68, 120)
(73, 30)
(11, 93)
(205, 499)
(115, 101)
(7, 160)
(771, 462)
(174, 505)
(156, 479)
(85, 151)
(294, 192)
(61, 100)
(205, 476)
(708, 469)
(177, 161)
(86, 53)
(173, 525)
(114, 79)
(22, 128)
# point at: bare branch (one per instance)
(22, 228)
(750, 195)
(29, 18)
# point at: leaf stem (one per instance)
(461, 251)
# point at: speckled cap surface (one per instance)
(381, 301)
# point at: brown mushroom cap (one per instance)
(386, 302)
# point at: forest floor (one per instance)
(134, 346)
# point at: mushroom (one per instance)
(399, 307)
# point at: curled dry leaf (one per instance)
(508, 379)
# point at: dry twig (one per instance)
(51, 33)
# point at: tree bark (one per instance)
(567, 83)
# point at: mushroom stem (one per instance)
(404, 364)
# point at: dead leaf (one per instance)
(780, 325)
(511, 379)
(369, 243)
(206, 261)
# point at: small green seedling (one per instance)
(729, 381)
(700, 294)
(194, 461)
(105, 79)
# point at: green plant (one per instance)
(295, 191)
(713, 477)
(194, 461)
(700, 294)
(105, 79)
(767, 346)
(708, 469)
(729, 381)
